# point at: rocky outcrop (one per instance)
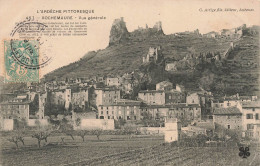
(118, 33)
(143, 33)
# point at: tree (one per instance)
(130, 129)
(119, 123)
(42, 134)
(82, 134)
(66, 128)
(20, 136)
(97, 132)
(34, 106)
(15, 140)
(201, 139)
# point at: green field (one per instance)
(120, 150)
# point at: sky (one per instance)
(175, 15)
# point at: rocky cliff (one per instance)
(118, 33)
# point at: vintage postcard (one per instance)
(127, 82)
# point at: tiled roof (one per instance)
(206, 125)
(108, 89)
(177, 105)
(227, 111)
(245, 97)
(151, 91)
(183, 105)
(173, 91)
(122, 104)
(253, 104)
(15, 103)
(127, 100)
(165, 82)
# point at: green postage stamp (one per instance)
(21, 58)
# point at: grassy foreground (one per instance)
(120, 150)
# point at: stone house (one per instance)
(112, 81)
(80, 98)
(188, 112)
(26, 106)
(229, 118)
(251, 119)
(17, 108)
(61, 97)
(123, 109)
(106, 96)
(152, 97)
(193, 98)
(155, 111)
(164, 85)
(174, 96)
(191, 112)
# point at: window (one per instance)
(250, 126)
(135, 117)
(228, 126)
(120, 117)
(249, 116)
(257, 116)
(128, 118)
(108, 117)
(107, 112)
(101, 112)
(253, 109)
(228, 104)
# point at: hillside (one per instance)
(125, 51)
(118, 59)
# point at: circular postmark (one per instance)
(26, 53)
(26, 49)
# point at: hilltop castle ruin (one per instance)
(154, 55)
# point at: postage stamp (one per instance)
(17, 52)
(30, 35)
